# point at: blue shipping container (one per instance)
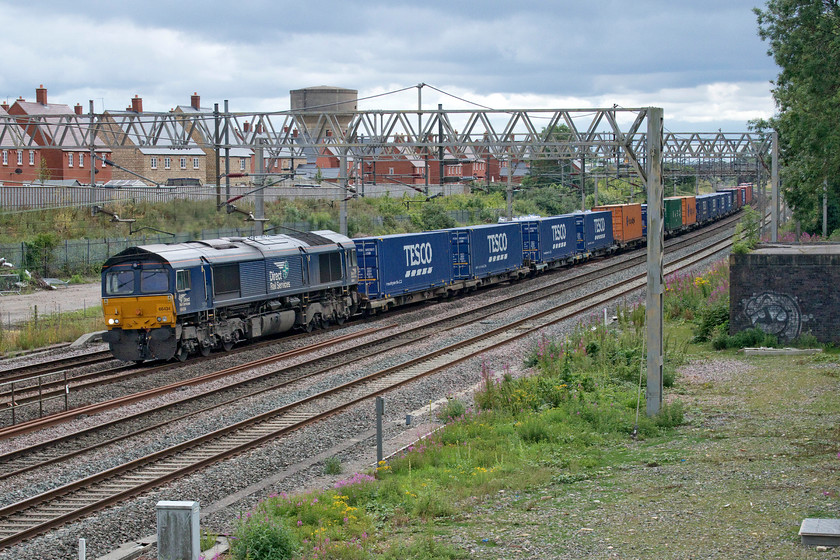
(485, 250)
(594, 231)
(716, 205)
(704, 205)
(548, 239)
(644, 221)
(728, 199)
(393, 265)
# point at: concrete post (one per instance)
(380, 412)
(178, 536)
(774, 181)
(655, 250)
(259, 195)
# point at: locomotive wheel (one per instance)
(205, 350)
(227, 346)
(182, 354)
(339, 319)
(310, 326)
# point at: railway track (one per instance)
(28, 391)
(41, 513)
(52, 366)
(404, 336)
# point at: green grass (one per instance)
(549, 464)
(53, 328)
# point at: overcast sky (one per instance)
(702, 61)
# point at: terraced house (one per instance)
(59, 164)
(153, 163)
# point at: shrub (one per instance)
(262, 538)
(748, 338)
(711, 317)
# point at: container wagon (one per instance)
(403, 268)
(594, 233)
(549, 242)
(689, 210)
(673, 214)
(486, 254)
(627, 225)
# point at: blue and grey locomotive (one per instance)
(173, 300)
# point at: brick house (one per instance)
(19, 165)
(155, 163)
(63, 164)
(241, 159)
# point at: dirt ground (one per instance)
(17, 308)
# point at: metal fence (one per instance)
(14, 198)
(85, 256)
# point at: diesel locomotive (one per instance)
(175, 300)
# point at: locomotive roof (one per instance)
(231, 249)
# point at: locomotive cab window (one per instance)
(329, 265)
(182, 280)
(119, 283)
(154, 280)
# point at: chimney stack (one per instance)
(137, 104)
(41, 95)
(4, 105)
(294, 133)
(78, 109)
(195, 101)
(246, 126)
(259, 128)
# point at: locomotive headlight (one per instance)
(110, 321)
(161, 319)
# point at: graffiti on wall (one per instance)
(774, 313)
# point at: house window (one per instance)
(154, 162)
(183, 162)
(5, 157)
(104, 158)
(195, 163)
(70, 160)
(167, 162)
(20, 157)
(390, 171)
(242, 164)
(81, 160)
(31, 157)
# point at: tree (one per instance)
(804, 40)
(44, 173)
(546, 172)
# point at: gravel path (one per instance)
(18, 308)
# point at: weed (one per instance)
(452, 410)
(332, 465)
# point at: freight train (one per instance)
(176, 300)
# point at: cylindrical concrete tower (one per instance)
(324, 99)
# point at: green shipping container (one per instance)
(673, 214)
